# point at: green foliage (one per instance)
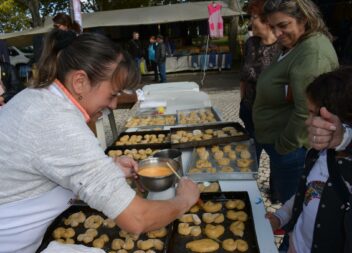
(13, 17)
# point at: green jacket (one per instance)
(277, 118)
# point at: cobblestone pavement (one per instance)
(227, 103)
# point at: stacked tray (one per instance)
(224, 162)
(206, 135)
(151, 120)
(111, 232)
(178, 242)
(137, 152)
(146, 139)
(197, 116)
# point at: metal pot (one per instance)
(158, 184)
(174, 154)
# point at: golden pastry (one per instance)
(110, 223)
(191, 218)
(242, 245)
(240, 215)
(244, 163)
(218, 155)
(245, 154)
(128, 244)
(224, 161)
(75, 219)
(203, 245)
(117, 244)
(159, 233)
(213, 217)
(232, 155)
(227, 148)
(99, 243)
(215, 149)
(240, 147)
(93, 221)
(211, 207)
(227, 169)
(214, 231)
(186, 229)
(235, 203)
(194, 209)
(229, 245)
(125, 234)
(237, 228)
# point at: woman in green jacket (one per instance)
(280, 107)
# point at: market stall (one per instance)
(222, 187)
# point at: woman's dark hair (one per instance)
(256, 7)
(333, 90)
(93, 53)
(302, 11)
(64, 19)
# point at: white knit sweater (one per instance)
(45, 142)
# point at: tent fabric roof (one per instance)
(126, 17)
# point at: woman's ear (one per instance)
(80, 82)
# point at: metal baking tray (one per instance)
(141, 145)
(138, 147)
(197, 111)
(213, 141)
(113, 233)
(220, 174)
(178, 242)
(162, 116)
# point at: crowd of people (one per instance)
(156, 55)
(295, 104)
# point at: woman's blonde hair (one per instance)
(303, 11)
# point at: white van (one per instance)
(18, 57)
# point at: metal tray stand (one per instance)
(228, 169)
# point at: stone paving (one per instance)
(227, 103)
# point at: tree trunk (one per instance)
(33, 6)
(233, 28)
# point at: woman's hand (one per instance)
(324, 131)
(128, 165)
(274, 221)
(188, 191)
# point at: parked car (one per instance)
(20, 56)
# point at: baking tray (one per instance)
(198, 120)
(178, 242)
(113, 233)
(213, 141)
(142, 133)
(138, 147)
(237, 174)
(128, 123)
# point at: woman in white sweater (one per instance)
(48, 154)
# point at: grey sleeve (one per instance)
(71, 157)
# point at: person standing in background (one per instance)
(260, 51)
(280, 107)
(160, 58)
(64, 22)
(135, 48)
(151, 57)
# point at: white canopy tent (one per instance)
(127, 17)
